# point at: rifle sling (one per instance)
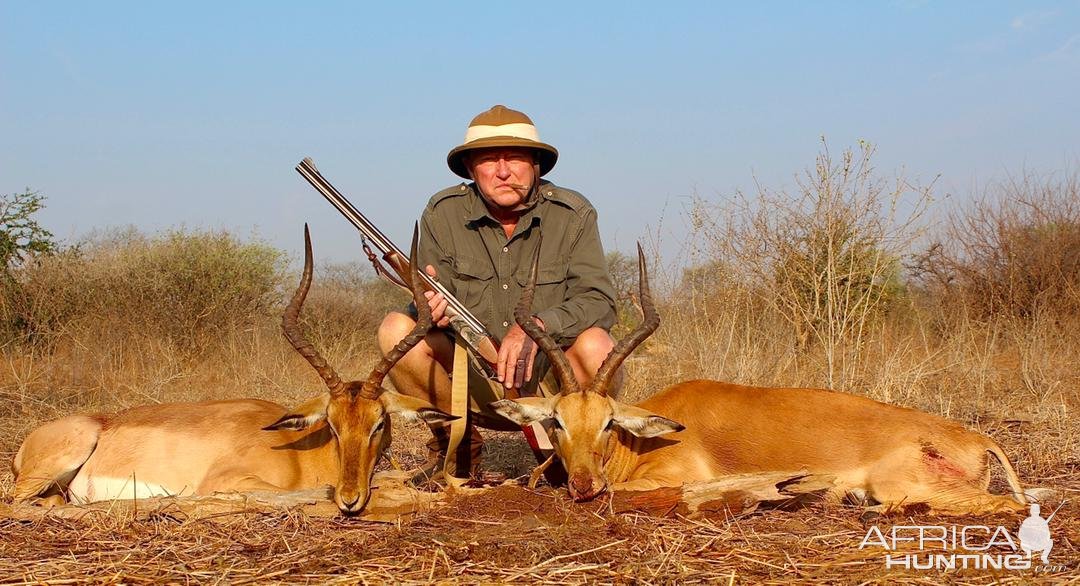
(380, 270)
(459, 407)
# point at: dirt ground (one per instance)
(513, 534)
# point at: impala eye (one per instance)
(610, 424)
(555, 423)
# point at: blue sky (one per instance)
(168, 114)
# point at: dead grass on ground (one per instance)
(533, 536)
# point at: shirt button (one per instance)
(463, 189)
(549, 193)
(506, 324)
(505, 286)
(506, 249)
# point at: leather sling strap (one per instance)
(459, 407)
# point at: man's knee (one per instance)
(593, 345)
(587, 354)
(393, 328)
(435, 345)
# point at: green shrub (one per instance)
(195, 286)
(20, 234)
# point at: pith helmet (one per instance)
(501, 127)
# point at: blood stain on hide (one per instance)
(938, 463)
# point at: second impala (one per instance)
(700, 430)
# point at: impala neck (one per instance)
(624, 449)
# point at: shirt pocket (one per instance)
(550, 284)
(473, 280)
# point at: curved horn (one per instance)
(295, 335)
(373, 384)
(523, 315)
(650, 321)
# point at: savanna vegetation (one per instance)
(852, 279)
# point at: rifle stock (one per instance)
(462, 322)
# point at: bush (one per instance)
(1013, 253)
(826, 257)
(41, 298)
(20, 234)
(346, 305)
(624, 278)
(185, 288)
(201, 285)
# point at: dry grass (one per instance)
(502, 535)
(93, 335)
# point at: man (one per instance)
(479, 239)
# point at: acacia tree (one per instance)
(20, 232)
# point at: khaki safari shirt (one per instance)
(486, 271)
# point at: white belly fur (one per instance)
(93, 488)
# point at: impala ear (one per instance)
(303, 416)
(643, 423)
(412, 408)
(525, 410)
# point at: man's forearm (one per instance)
(568, 319)
(590, 297)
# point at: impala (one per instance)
(699, 430)
(334, 439)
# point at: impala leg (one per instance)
(958, 498)
(37, 488)
(238, 483)
(534, 477)
(641, 484)
(51, 456)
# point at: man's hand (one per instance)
(517, 353)
(437, 302)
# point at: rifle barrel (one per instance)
(1056, 510)
(307, 169)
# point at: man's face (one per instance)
(504, 175)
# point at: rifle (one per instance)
(470, 330)
(1056, 510)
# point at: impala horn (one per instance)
(295, 335)
(523, 315)
(373, 385)
(650, 321)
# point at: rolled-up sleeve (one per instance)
(590, 297)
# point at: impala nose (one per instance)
(350, 504)
(584, 487)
